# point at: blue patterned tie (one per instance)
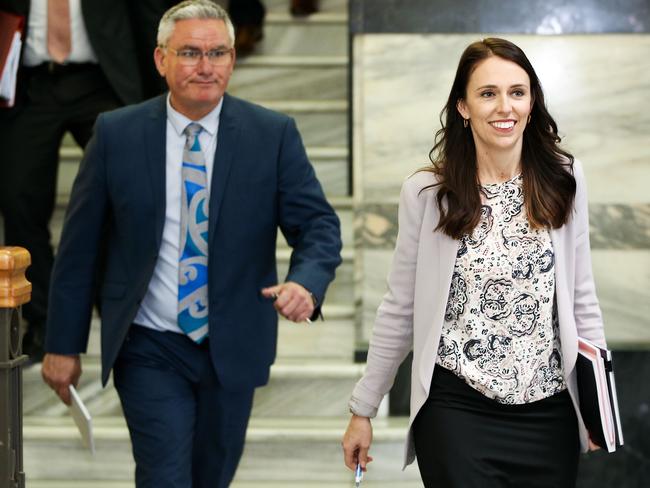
(193, 264)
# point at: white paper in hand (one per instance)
(82, 418)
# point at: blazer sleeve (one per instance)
(73, 276)
(392, 336)
(588, 316)
(306, 219)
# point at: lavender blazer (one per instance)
(411, 313)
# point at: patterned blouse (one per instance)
(500, 333)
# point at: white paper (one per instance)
(82, 418)
(8, 75)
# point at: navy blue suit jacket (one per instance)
(261, 180)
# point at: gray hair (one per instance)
(192, 9)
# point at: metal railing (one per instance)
(15, 290)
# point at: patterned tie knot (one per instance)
(192, 132)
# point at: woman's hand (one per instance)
(592, 446)
(356, 442)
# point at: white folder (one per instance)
(82, 418)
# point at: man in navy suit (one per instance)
(187, 392)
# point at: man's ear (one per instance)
(461, 106)
(160, 58)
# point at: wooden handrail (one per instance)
(15, 290)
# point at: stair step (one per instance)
(367, 483)
(293, 61)
(291, 78)
(289, 450)
(296, 388)
(332, 339)
(325, 6)
(319, 18)
(323, 34)
(297, 107)
(307, 388)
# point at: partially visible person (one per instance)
(301, 8)
(248, 19)
(490, 286)
(78, 59)
(145, 15)
(191, 188)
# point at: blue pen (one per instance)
(358, 476)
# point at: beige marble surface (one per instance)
(596, 86)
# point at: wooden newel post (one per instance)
(15, 290)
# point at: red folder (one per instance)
(9, 25)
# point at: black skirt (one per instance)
(465, 440)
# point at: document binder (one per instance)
(598, 399)
(11, 31)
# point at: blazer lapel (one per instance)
(439, 264)
(155, 143)
(446, 256)
(564, 298)
(227, 142)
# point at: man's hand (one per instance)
(59, 372)
(356, 442)
(292, 300)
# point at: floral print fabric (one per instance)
(500, 334)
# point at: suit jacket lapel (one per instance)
(155, 143)
(227, 142)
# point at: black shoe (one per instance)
(246, 36)
(301, 8)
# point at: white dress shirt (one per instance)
(159, 308)
(36, 52)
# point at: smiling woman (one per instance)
(496, 126)
(491, 286)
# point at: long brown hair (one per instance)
(548, 187)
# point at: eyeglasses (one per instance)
(192, 57)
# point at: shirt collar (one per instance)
(179, 122)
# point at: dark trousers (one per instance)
(187, 431)
(50, 103)
(466, 440)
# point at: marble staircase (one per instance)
(300, 68)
